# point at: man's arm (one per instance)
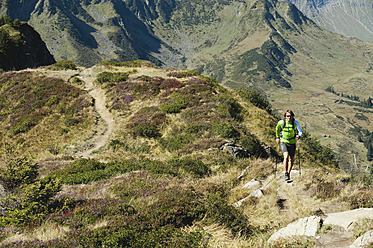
(300, 133)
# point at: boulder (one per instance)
(235, 150)
(252, 185)
(347, 218)
(307, 226)
(257, 193)
(363, 241)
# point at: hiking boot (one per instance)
(287, 176)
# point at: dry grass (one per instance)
(48, 231)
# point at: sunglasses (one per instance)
(288, 115)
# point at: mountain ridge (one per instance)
(343, 17)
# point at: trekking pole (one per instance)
(278, 150)
(299, 157)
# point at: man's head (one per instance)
(289, 115)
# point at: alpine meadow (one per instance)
(152, 123)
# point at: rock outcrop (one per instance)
(309, 226)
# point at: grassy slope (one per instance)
(34, 105)
(172, 172)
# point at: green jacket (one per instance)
(288, 133)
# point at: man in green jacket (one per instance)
(288, 131)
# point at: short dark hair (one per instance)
(290, 112)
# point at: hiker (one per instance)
(288, 131)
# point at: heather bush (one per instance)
(177, 207)
(146, 130)
(175, 103)
(201, 113)
(29, 99)
(22, 127)
(171, 83)
(192, 166)
(118, 224)
(138, 184)
(147, 122)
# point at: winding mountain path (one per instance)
(105, 118)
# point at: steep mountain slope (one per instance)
(350, 18)
(21, 46)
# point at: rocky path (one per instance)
(105, 119)
(339, 236)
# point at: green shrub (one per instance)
(64, 65)
(146, 130)
(76, 80)
(114, 77)
(16, 172)
(72, 121)
(28, 200)
(115, 144)
(53, 100)
(31, 204)
(253, 146)
(135, 63)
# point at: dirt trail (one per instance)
(105, 118)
